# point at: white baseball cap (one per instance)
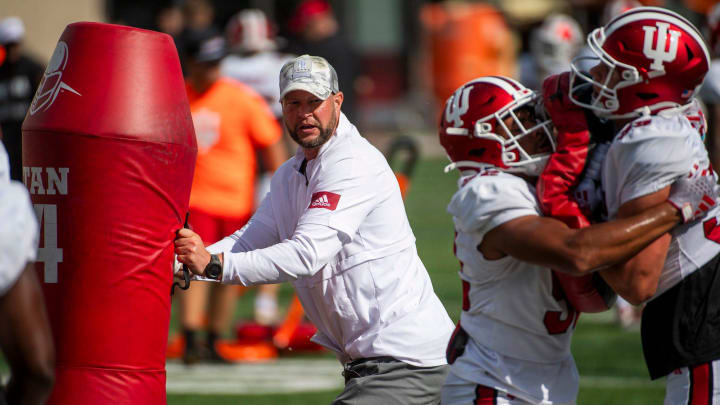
(12, 30)
(310, 73)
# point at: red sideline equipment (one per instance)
(560, 176)
(108, 153)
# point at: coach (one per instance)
(334, 224)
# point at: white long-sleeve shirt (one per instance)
(335, 226)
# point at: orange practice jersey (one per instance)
(231, 122)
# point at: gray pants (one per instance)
(384, 380)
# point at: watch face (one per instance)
(213, 271)
(214, 268)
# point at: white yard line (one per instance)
(281, 376)
(306, 375)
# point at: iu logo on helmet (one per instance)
(657, 51)
(52, 84)
(458, 107)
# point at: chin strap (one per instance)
(466, 164)
(529, 168)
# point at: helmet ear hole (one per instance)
(477, 152)
(628, 75)
(484, 128)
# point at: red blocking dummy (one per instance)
(108, 156)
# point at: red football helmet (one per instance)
(655, 60)
(474, 133)
(250, 31)
(555, 43)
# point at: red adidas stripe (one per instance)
(485, 396)
(700, 385)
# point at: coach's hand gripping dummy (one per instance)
(560, 179)
(109, 151)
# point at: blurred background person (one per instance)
(710, 90)
(198, 15)
(232, 124)
(254, 58)
(608, 11)
(255, 61)
(454, 53)
(553, 45)
(20, 75)
(171, 20)
(25, 338)
(317, 32)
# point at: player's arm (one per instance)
(273, 156)
(637, 278)
(549, 242)
(266, 134)
(26, 341)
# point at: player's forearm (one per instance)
(274, 156)
(25, 339)
(611, 243)
(636, 279)
(635, 288)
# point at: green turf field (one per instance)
(609, 359)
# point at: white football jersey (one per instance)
(647, 155)
(18, 233)
(260, 72)
(521, 330)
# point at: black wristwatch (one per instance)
(213, 270)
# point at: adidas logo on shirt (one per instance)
(324, 199)
(321, 201)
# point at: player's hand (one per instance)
(191, 251)
(565, 115)
(588, 193)
(695, 194)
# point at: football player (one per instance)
(553, 45)
(512, 344)
(25, 336)
(649, 63)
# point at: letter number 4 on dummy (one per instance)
(49, 254)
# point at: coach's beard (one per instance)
(325, 134)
